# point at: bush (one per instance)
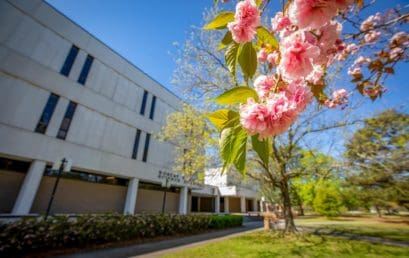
(225, 221)
(36, 234)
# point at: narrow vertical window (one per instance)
(152, 113)
(146, 148)
(85, 70)
(136, 144)
(65, 124)
(47, 113)
(69, 61)
(145, 96)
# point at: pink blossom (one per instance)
(362, 60)
(316, 75)
(311, 14)
(300, 93)
(254, 117)
(262, 55)
(280, 22)
(263, 85)
(330, 104)
(352, 48)
(372, 36)
(339, 94)
(395, 53)
(273, 58)
(296, 57)
(283, 112)
(371, 21)
(400, 38)
(240, 32)
(329, 34)
(246, 20)
(355, 71)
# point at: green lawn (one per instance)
(264, 244)
(396, 228)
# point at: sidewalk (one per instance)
(156, 249)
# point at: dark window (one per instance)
(145, 96)
(145, 149)
(152, 107)
(69, 61)
(88, 177)
(47, 113)
(65, 124)
(14, 165)
(85, 70)
(136, 144)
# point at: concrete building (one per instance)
(65, 94)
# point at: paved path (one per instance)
(156, 249)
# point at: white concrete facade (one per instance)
(35, 41)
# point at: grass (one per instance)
(396, 228)
(265, 244)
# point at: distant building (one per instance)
(65, 94)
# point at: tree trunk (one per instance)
(378, 211)
(301, 209)
(287, 213)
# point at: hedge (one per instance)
(37, 234)
(225, 221)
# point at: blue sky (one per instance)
(144, 31)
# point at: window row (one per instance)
(69, 62)
(48, 111)
(143, 106)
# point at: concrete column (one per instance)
(255, 205)
(131, 195)
(242, 204)
(261, 206)
(183, 200)
(217, 204)
(226, 205)
(198, 204)
(29, 188)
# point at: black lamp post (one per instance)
(166, 185)
(60, 166)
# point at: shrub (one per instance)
(36, 234)
(225, 221)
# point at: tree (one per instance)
(263, 108)
(379, 159)
(188, 131)
(328, 199)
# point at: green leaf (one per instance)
(318, 92)
(248, 60)
(233, 141)
(236, 95)
(231, 57)
(223, 118)
(262, 148)
(220, 21)
(264, 36)
(227, 39)
(259, 2)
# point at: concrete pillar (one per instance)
(131, 195)
(217, 204)
(183, 200)
(198, 204)
(261, 206)
(243, 204)
(29, 188)
(226, 205)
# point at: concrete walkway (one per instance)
(157, 249)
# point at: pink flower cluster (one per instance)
(264, 56)
(246, 20)
(276, 111)
(339, 98)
